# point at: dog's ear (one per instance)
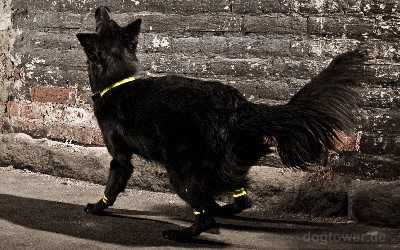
(89, 42)
(130, 34)
(102, 14)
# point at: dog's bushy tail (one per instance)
(307, 127)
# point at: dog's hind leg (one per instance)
(190, 188)
(203, 222)
(121, 170)
(204, 219)
(241, 202)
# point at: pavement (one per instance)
(45, 212)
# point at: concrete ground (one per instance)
(44, 212)
(274, 189)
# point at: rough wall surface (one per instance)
(6, 37)
(267, 49)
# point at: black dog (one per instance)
(205, 133)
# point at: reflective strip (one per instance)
(239, 192)
(105, 199)
(197, 212)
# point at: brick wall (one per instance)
(5, 56)
(267, 49)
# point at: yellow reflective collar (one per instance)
(129, 79)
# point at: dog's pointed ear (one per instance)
(102, 14)
(130, 34)
(89, 42)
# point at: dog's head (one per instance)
(111, 51)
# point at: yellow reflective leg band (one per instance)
(105, 199)
(197, 212)
(239, 192)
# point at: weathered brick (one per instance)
(259, 89)
(340, 26)
(29, 111)
(247, 6)
(84, 97)
(379, 144)
(188, 6)
(232, 47)
(381, 120)
(257, 47)
(267, 67)
(38, 40)
(62, 79)
(193, 23)
(387, 28)
(380, 49)
(151, 42)
(53, 94)
(321, 47)
(384, 97)
(387, 71)
(302, 6)
(279, 6)
(50, 112)
(60, 131)
(54, 60)
(190, 45)
(369, 166)
(55, 121)
(380, 6)
(81, 6)
(12, 108)
(276, 24)
(123, 6)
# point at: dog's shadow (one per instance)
(70, 219)
(129, 227)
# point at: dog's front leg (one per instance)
(120, 171)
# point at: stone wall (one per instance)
(267, 49)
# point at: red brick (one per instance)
(84, 96)
(53, 94)
(12, 108)
(347, 141)
(28, 111)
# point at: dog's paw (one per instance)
(94, 208)
(89, 208)
(242, 203)
(230, 210)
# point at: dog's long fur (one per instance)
(205, 133)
